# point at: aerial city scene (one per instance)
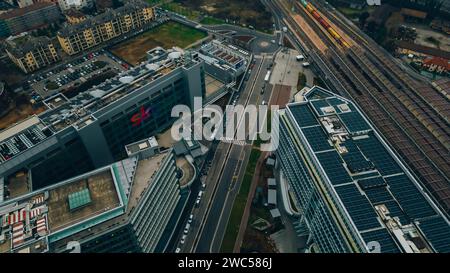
(225, 126)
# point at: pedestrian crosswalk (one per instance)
(233, 141)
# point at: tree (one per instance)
(363, 18)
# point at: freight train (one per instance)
(310, 8)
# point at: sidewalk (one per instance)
(246, 214)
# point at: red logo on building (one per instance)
(143, 114)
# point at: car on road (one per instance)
(177, 250)
(191, 217)
(183, 239)
(199, 198)
(186, 229)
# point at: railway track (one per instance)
(439, 103)
(418, 134)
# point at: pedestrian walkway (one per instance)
(246, 215)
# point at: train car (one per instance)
(316, 15)
(310, 8)
(324, 23)
(334, 34)
(344, 43)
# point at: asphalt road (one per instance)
(229, 180)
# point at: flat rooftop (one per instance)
(98, 200)
(371, 183)
(103, 195)
(143, 171)
(138, 146)
(212, 85)
(225, 53)
(22, 136)
(29, 219)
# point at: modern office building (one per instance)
(224, 61)
(28, 18)
(31, 53)
(90, 130)
(75, 4)
(122, 207)
(112, 23)
(353, 191)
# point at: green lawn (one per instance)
(239, 204)
(167, 35)
(354, 13)
(178, 8)
(259, 141)
(211, 21)
(155, 2)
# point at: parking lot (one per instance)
(72, 74)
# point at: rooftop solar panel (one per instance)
(354, 122)
(409, 197)
(354, 159)
(373, 182)
(437, 231)
(387, 244)
(396, 211)
(335, 101)
(319, 104)
(332, 164)
(378, 195)
(317, 138)
(318, 94)
(366, 175)
(375, 152)
(359, 208)
(303, 115)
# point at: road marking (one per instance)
(242, 151)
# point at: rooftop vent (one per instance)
(126, 79)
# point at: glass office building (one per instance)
(90, 130)
(354, 193)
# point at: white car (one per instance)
(177, 250)
(186, 229)
(191, 217)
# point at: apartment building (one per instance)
(106, 26)
(31, 53)
(28, 18)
